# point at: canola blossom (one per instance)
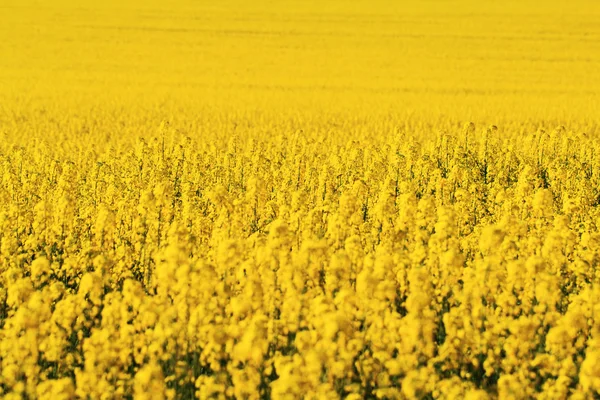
(456, 264)
(195, 215)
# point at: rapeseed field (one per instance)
(299, 199)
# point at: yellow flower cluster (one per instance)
(458, 264)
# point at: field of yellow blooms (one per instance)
(301, 199)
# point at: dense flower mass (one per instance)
(299, 199)
(457, 264)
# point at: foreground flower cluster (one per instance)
(458, 264)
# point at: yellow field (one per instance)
(299, 199)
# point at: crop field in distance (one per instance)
(299, 199)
